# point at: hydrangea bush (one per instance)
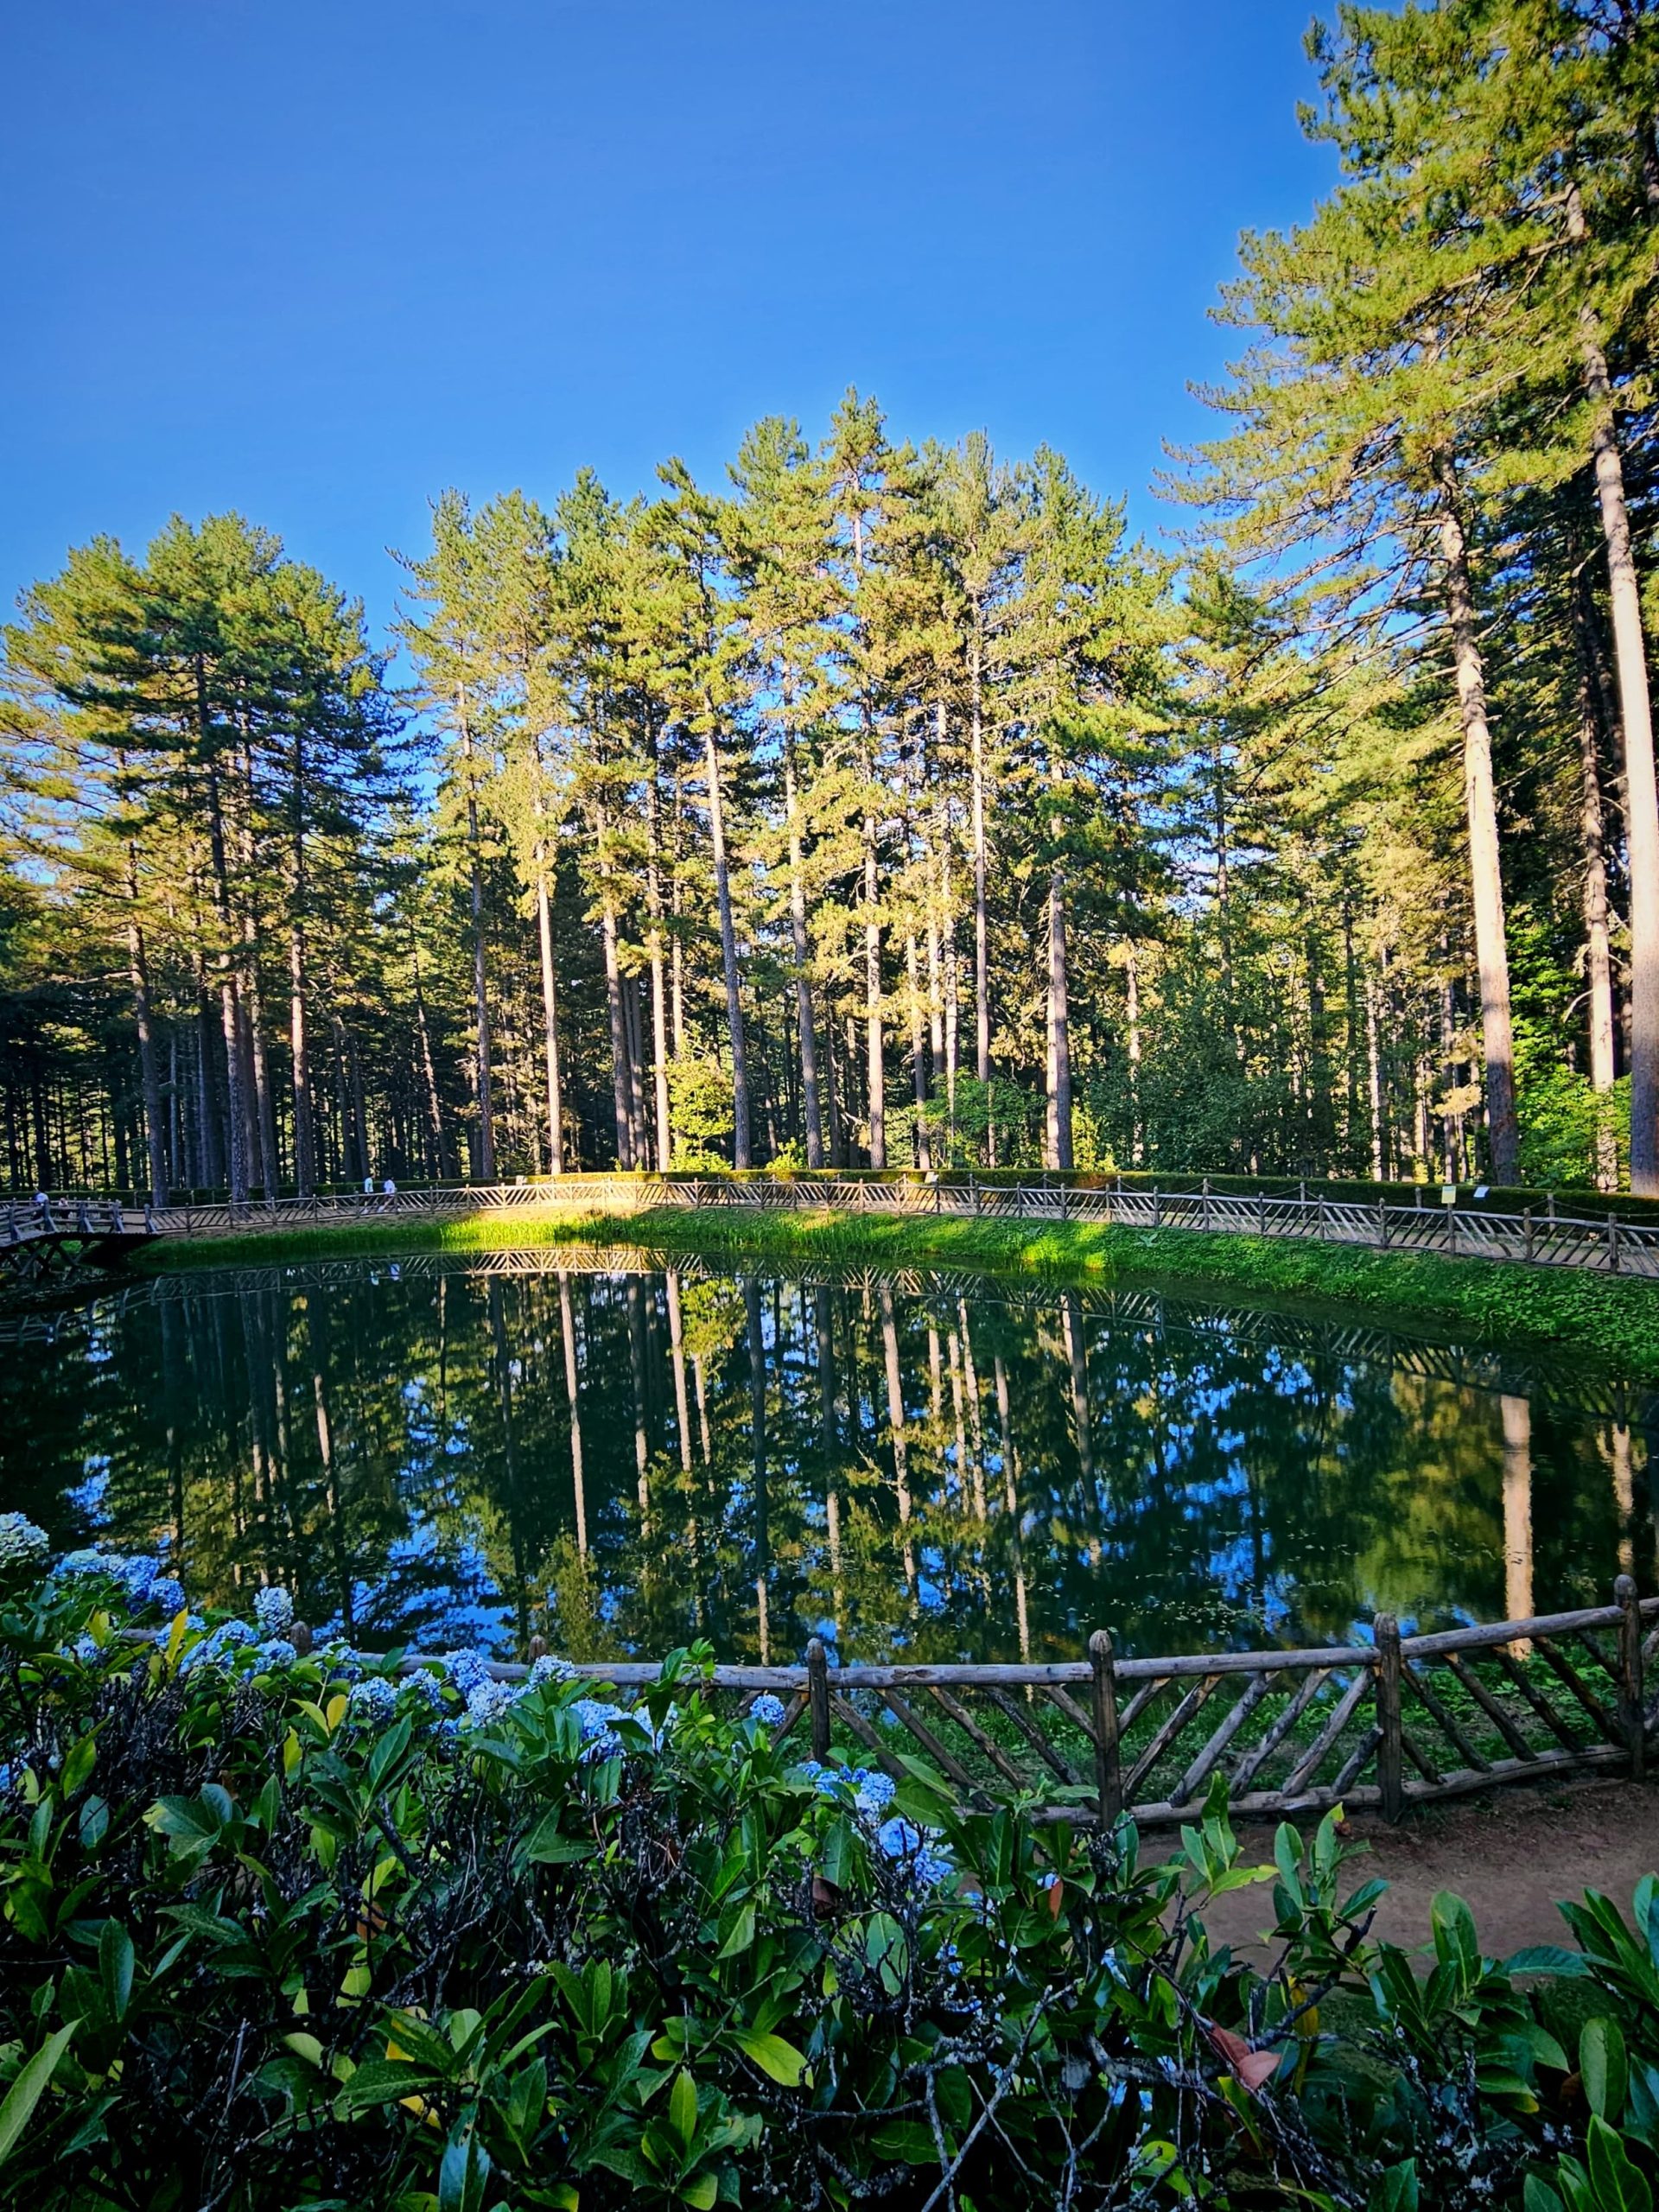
(283, 1930)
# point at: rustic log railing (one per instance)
(1540, 1237)
(1401, 1721)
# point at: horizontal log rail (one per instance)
(1401, 1721)
(1535, 1237)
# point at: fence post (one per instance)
(1390, 1756)
(1526, 1219)
(973, 1192)
(1156, 1207)
(1382, 1222)
(1062, 1202)
(1206, 1203)
(817, 1696)
(1108, 1776)
(1262, 1210)
(1612, 1243)
(1631, 1715)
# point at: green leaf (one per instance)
(683, 2108)
(1539, 2197)
(115, 1966)
(464, 2176)
(699, 2192)
(25, 2091)
(772, 2056)
(1547, 1958)
(78, 1764)
(382, 2081)
(1394, 2190)
(1602, 2065)
(1619, 2186)
(741, 1938)
(1455, 1941)
(548, 1847)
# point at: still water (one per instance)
(432, 1451)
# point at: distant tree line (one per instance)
(887, 804)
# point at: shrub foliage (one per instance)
(293, 1931)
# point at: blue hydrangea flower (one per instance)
(373, 1699)
(137, 1576)
(767, 1710)
(273, 1609)
(340, 1661)
(22, 1544)
(548, 1669)
(86, 1650)
(487, 1701)
(874, 1790)
(87, 1562)
(276, 1651)
(169, 1594)
(218, 1644)
(426, 1687)
(901, 1839)
(465, 1669)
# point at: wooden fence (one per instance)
(1397, 1722)
(1541, 1237)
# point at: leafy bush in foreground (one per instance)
(287, 1931)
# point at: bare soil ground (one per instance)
(1511, 1855)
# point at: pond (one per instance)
(436, 1450)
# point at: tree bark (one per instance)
(1636, 713)
(622, 1085)
(1132, 1014)
(981, 925)
(729, 958)
(802, 949)
(148, 1075)
(658, 984)
(1491, 948)
(1597, 955)
(483, 1080)
(1059, 1031)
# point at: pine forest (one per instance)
(887, 802)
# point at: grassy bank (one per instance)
(1614, 1320)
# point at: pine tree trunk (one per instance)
(876, 1072)
(1059, 1031)
(149, 1074)
(236, 1114)
(1491, 948)
(549, 1019)
(917, 1051)
(802, 949)
(981, 925)
(484, 1081)
(1636, 713)
(1598, 956)
(1373, 1074)
(728, 959)
(621, 1096)
(1132, 1014)
(658, 980)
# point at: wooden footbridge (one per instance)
(51, 1241)
(61, 1245)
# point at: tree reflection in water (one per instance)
(430, 1452)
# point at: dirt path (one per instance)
(1511, 1856)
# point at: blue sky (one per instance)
(317, 260)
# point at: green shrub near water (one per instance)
(288, 1931)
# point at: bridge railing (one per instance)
(1393, 1723)
(1543, 1237)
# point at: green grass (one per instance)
(1614, 1320)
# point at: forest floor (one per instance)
(1614, 1319)
(1512, 1856)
